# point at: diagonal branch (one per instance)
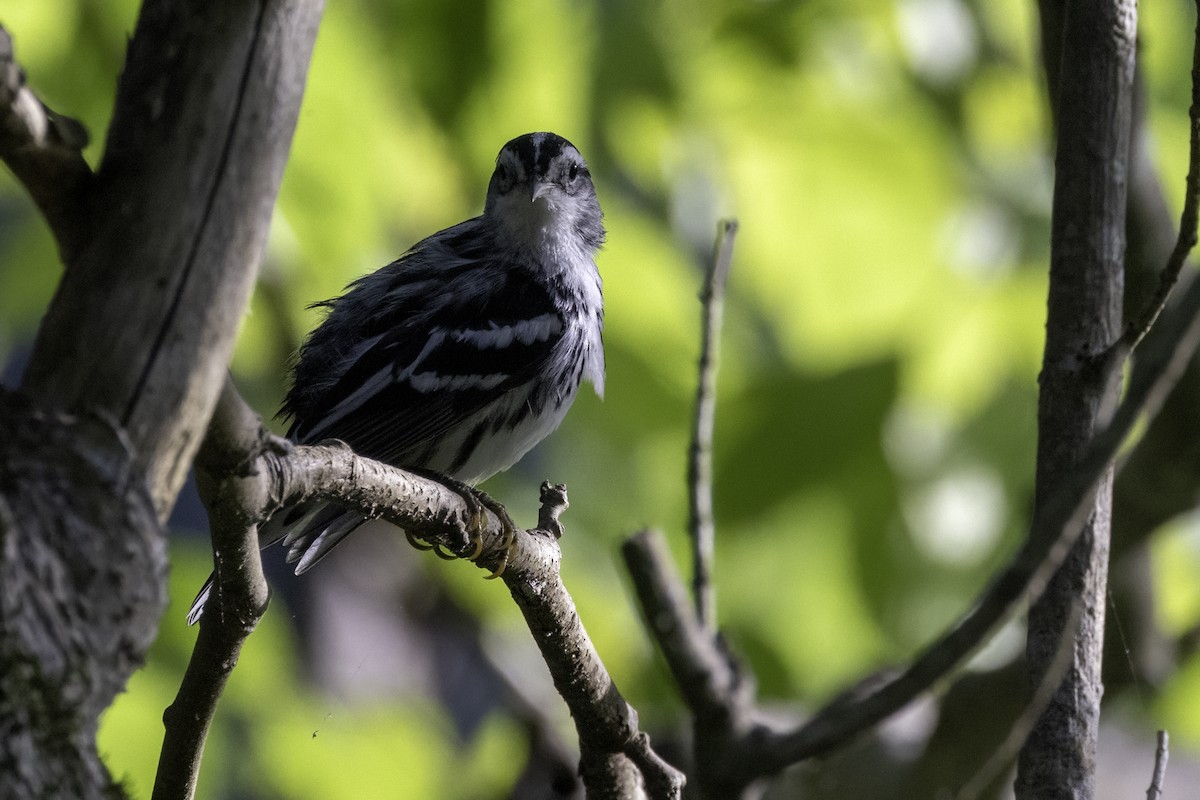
(718, 693)
(249, 474)
(147, 313)
(44, 151)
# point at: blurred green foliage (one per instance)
(888, 164)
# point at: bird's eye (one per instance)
(572, 172)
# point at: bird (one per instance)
(462, 354)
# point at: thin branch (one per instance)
(255, 474)
(1161, 753)
(44, 151)
(228, 487)
(608, 776)
(1189, 217)
(605, 722)
(700, 504)
(661, 780)
(690, 652)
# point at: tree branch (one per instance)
(712, 686)
(147, 314)
(44, 151)
(1080, 381)
(709, 681)
(700, 503)
(1188, 218)
(75, 622)
(251, 474)
(160, 249)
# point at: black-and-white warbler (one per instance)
(466, 351)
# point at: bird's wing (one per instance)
(442, 344)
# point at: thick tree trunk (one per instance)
(82, 584)
(144, 321)
(129, 360)
(1094, 87)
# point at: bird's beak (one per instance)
(539, 190)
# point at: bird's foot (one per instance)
(478, 504)
(506, 522)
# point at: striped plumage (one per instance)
(465, 352)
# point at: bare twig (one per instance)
(44, 151)
(254, 474)
(1161, 753)
(607, 725)
(1136, 331)
(704, 678)
(700, 504)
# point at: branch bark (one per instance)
(1079, 382)
(228, 486)
(1161, 754)
(83, 569)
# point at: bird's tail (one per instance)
(309, 531)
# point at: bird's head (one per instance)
(542, 194)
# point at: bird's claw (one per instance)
(478, 504)
(417, 543)
(510, 535)
(441, 552)
(506, 522)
